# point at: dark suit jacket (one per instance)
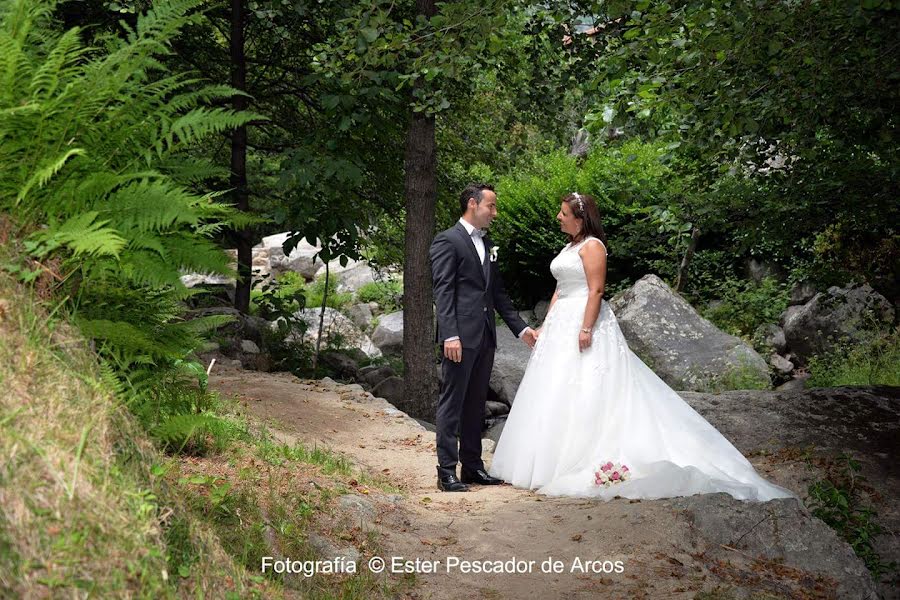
(465, 301)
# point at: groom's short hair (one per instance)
(473, 190)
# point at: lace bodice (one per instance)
(568, 270)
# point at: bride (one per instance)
(587, 404)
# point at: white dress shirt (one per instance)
(478, 240)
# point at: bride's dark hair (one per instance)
(585, 208)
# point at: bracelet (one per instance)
(586, 330)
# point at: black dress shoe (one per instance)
(480, 477)
(447, 482)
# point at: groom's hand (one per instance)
(453, 350)
(529, 337)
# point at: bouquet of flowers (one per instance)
(609, 473)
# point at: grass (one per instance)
(388, 294)
(875, 362)
(91, 506)
(80, 510)
(329, 462)
(838, 501)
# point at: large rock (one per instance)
(391, 389)
(302, 259)
(341, 364)
(510, 360)
(684, 349)
(352, 279)
(763, 537)
(798, 429)
(361, 315)
(337, 328)
(771, 336)
(835, 318)
(802, 292)
(757, 270)
(375, 374)
(388, 335)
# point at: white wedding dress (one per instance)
(574, 411)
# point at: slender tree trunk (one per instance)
(315, 361)
(239, 159)
(681, 279)
(420, 189)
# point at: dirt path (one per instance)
(493, 523)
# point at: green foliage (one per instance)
(388, 294)
(279, 299)
(315, 293)
(837, 500)
(873, 362)
(802, 170)
(97, 173)
(184, 419)
(742, 377)
(628, 181)
(742, 305)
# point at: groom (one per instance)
(467, 290)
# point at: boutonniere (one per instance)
(493, 253)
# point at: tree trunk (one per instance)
(315, 361)
(681, 279)
(239, 159)
(420, 190)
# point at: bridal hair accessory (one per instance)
(609, 473)
(578, 199)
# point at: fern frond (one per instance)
(150, 205)
(204, 95)
(201, 325)
(47, 77)
(187, 433)
(122, 335)
(82, 234)
(46, 172)
(195, 125)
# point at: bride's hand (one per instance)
(584, 341)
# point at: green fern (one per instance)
(97, 159)
(195, 433)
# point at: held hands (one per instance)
(529, 337)
(453, 350)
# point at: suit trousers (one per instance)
(460, 409)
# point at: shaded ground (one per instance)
(666, 548)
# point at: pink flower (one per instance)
(606, 467)
(624, 468)
(615, 475)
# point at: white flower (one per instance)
(493, 253)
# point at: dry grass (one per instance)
(90, 508)
(79, 509)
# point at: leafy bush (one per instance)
(837, 501)
(279, 299)
(388, 294)
(97, 174)
(627, 181)
(745, 305)
(874, 362)
(315, 292)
